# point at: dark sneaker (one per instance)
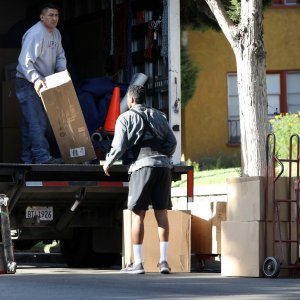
(164, 267)
(134, 269)
(53, 161)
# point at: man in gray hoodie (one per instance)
(41, 55)
(147, 133)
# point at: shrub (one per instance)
(284, 126)
(220, 161)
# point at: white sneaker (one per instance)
(134, 269)
(164, 267)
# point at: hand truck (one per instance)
(272, 264)
(8, 265)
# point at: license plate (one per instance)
(45, 213)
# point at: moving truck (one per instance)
(76, 203)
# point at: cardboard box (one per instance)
(201, 236)
(206, 227)
(10, 111)
(219, 215)
(66, 118)
(11, 145)
(243, 247)
(179, 250)
(246, 198)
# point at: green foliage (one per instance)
(189, 73)
(209, 177)
(220, 161)
(215, 162)
(234, 11)
(284, 126)
(196, 14)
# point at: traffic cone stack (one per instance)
(113, 111)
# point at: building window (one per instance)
(283, 94)
(293, 91)
(286, 2)
(233, 110)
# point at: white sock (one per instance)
(137, 253)
(163, 251)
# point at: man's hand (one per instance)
(105, 169)
(38, 85)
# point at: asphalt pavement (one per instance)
(48, 280)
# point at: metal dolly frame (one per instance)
(8, 264)
(272, 264)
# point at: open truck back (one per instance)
(78, 204)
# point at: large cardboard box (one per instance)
(246, 199)
(243, 247)
(219, 215)
(201, 235)
(206, 226)
(179, 251)
(66, 118)
(10, 112)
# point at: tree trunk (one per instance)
(246, 40)
(251, 74)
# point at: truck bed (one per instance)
(71, 172)
(76, 204)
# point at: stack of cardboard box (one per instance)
(245, 244)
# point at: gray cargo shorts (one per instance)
(150, 185)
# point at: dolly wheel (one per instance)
(271, 267)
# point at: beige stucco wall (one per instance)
(205, 130)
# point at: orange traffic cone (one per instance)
(113, 111)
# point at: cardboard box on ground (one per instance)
(66, 119)
(243, 234)
(179, 249)
(243, 247)
(206, 226)
(246, 198)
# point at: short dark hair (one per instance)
(48, 5)
(137, 93)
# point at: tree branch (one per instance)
(222, 18)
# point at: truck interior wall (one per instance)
(84, 48)
(90, 49)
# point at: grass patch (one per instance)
(209, 177)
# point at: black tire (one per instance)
(105, 260)
(77, 251)
(24, 244)
(271, 267)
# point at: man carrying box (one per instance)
(41, 55)
(147, 133)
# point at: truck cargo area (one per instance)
(104, 41)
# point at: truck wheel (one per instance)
(78, 250)
(104, 260)
(24, 244)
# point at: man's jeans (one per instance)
(35, 124)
